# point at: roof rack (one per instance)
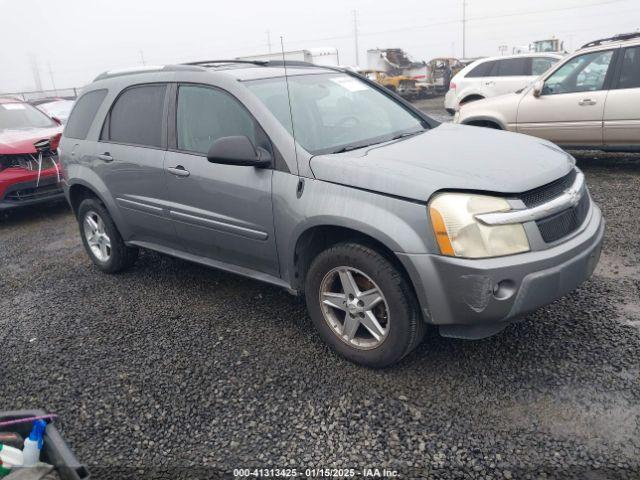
(211, 63)
(617, 38)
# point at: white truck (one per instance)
(327, 56)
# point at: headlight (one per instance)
(460, 234)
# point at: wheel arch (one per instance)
(318, 238)
(483, 120)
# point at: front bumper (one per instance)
(27, 193)
(478, 298)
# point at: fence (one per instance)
(30, 96)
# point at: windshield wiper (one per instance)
(349, 148)
(407, 134)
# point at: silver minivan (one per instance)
(320, 181)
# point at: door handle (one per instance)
(490, 83)
(105, 157)
(178, 171)
(586, 102)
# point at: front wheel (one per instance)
(362, 305)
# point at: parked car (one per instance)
(29, 172)
(384, 219)
(490, 77)
(590, 100)
(59, 109)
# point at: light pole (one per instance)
(464, 28)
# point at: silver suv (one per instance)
(328, 185)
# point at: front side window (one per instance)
(136, 117)
(334, 112)
(630, 72)
(586, 73)
(20, 116)
(82, 115)
(206, 114)
(539, 65)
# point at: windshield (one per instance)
(60, 109)
(335, 112)
(18, 116)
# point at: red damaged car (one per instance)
(29, 170)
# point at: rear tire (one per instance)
(101, 239)
(399, 328)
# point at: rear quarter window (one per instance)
(83, 113)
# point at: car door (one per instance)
(622, 110)
(221, 212)
(570, 107)
(129, 158)
(510, 74)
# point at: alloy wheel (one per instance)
(354, 307)
(97, 239)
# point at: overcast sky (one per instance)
(78, 39)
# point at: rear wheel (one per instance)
(362, 306)
(101, 238)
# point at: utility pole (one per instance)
(355, 36)
(269, 40)
(464, 28)
(142, 57)
(53, 83)
(35, 71)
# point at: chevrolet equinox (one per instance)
(322, 182)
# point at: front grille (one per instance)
(561, 224)
(547, 192)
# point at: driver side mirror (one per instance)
(238, 150)
(538, 86)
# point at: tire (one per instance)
(119, 257)
(403, 324)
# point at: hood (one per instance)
(21, 141)
(456, 157)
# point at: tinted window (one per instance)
(83, 113)
(481, 70)
(630, 72)
(512, 67)
(18, 116)
(585, 73)
(206, 114)
(539, 65)
(136, 117)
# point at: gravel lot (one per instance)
(172, 370)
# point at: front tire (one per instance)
(362, 305)
(101, 239)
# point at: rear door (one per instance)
(129, 158)
(622, 110)
(221, 212)
(570, 109)
(509, 75)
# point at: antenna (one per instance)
(286, 80)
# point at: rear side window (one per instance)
(83, 114)
(206, 114)
(630, 72)
(482, 70)
(136, 116)
(512, 67)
